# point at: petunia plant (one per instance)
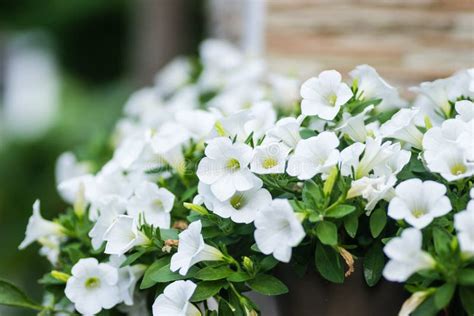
(222, 171)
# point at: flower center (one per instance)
(269, 163)
(418, 213)
(332, 99)
(237, 201)
(458, 169)
(233, 164)
(92, 283)
(158, 203)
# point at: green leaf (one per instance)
(133, 257)
(313, 195)
(268, 263)
(267, 285)
(427, 308)
(206, 289)
(339, 211)
(466, 277)
(329, 263)
(327, 233)
(442, 241)
(213, 273)
(351, 223)
(307, 133)
(374, 262)
(164, 274)
(467, 299)
(378, 219)
(443, 295)
(147, 280)
(170, 233)
(239, 277)
(10, 295)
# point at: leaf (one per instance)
(148, 278)
(206, 289)
(267, 285)
(351, 223)
(170, 233)
(374, 262)
(443, 295)
(10, 295)
(213, 273)
(467, 299)
(378, 219)
(239, 277)
(133, 257)
(339, 211)
(312, 195)
(427, 308)
(164, 274)
(268, 263)
(466, 277)
(329, 264)
(327, 233)
(442, 241)
(307, 133)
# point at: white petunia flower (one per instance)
(354, 126)
(372, 86)
(109, 209)
(406, 256)
(92, 286)
(324, 95)
(67, 168)
(153, 203)
(464, 224)
(373, 190)
(465, 110)
(225, 167)
(128, 277)
(270, 158)
(123, 235)
(192, 249)
(418, 203)
(39, 228)
(314, 155)
(402, 127)
(173, 76)
(232, 125)
(278, 230)
(286, 131)
(51, 247)
(284, 90)
(199, 123)
(175, 300)
(264, 117)
(168, 142)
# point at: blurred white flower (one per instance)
(168, 142)
(175, 300)
(465, 110)
(264, 117)
(314, 155)
(278, 230)
(354, 126)
(225, 167)
(464, 224)
(92, 286)
(402, 127)
(418, 203)
(153, 203)
(284, 91)
(286, 132)
(192, 249)
(123, 235)
(373, 190)
(199, 123)
(324, 95)
(110, 208)
(270, 158)
(128, 277)
(38, 228)
(406, 256)
(173, 76)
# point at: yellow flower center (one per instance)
(269, 163)
(458, 169)
(92, 283)
(332, 99)
(237, 201)
(233, 164)
(418, 213)
(158, 203)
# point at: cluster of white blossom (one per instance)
(232, 112)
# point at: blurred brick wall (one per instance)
(408, 41)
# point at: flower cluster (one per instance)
(223, 170)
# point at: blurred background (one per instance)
(67, 67)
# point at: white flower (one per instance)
(270, 158)
(278, 230)
(109, 209)
(314, 155)
(192, 249)
(199, 123)
(173, 76)
(372, 189)
(51, 247)
(123, 235)
(465, 109)
(264, 117)
(412, 303)
(168, 142)
(354, 126)
(128, 277)
(92, 286)
(232, 125)
(153, 203)
(402, 127)
(38, 227)
(175, 300)
(464, 224)
(406, 256)
(67, 167)
(418, 203)
(284, 90)
(372, 86)
(286, 131)
(324, 95)
(225, 167)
